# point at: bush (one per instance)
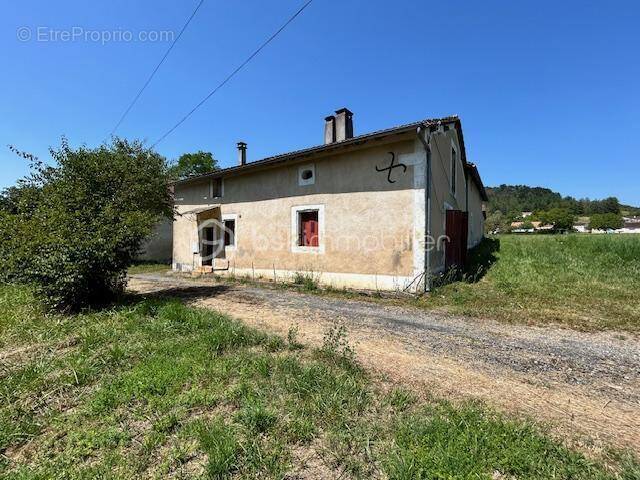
(75, 227)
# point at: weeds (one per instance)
(307, 280)
(589, 282)
(163, 390)
(335, 343)
(292, 338)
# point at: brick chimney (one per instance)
(344, 124)
(242, 153)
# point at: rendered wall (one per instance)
(159, 246)
(476, 217)
(442, 196)
(373, 229)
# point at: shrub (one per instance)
(306, 280)
(74, 227)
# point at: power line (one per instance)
(232, 74)
(175, 40)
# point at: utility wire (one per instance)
(232, 74)
(166, 54)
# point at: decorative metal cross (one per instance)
(391, 166)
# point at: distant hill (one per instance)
(511, 200)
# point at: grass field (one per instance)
(153, 388)
(583, 281)
(149, 267)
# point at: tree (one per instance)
(514, 199)
(605, 221)
(527, 225)
(560, 218)
(190, 164)
(77, 225)
(495, 222)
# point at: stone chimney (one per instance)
(242, 153)
(329, 129)
(344, 124)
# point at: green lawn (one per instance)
(153, 388)
(582, 281)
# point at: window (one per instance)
(307, 229)
(454, 160)
(215, 188)
(306, 175)
(308, 234)
(229, 233)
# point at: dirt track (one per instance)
(586, 385)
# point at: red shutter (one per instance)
(309, 229)
(313, 232)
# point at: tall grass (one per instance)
(157, 389)
(583, 281)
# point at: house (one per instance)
(385, 210)
(631, 225)
(519, 227)
(526, 214)
(581, 227)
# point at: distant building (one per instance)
(518, 227)
(526, 214)
(632, 226)
(581, 227)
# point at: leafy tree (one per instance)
(495, 221)
(605, 221)
(190, 164)
(75, 226)
(527, 225)
(560, 218)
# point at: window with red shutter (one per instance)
(308, 235)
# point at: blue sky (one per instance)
(547, 91)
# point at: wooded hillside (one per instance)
(512, 200)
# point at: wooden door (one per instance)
(457, 229)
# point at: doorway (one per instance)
(457, 227)
(207, 246)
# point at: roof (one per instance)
(475, 176)
(354, 141)
(200, 210)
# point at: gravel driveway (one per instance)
(586, 384)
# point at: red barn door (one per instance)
(457, 228)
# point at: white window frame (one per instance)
(295, 228)
(234, 217)
(310, 181)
